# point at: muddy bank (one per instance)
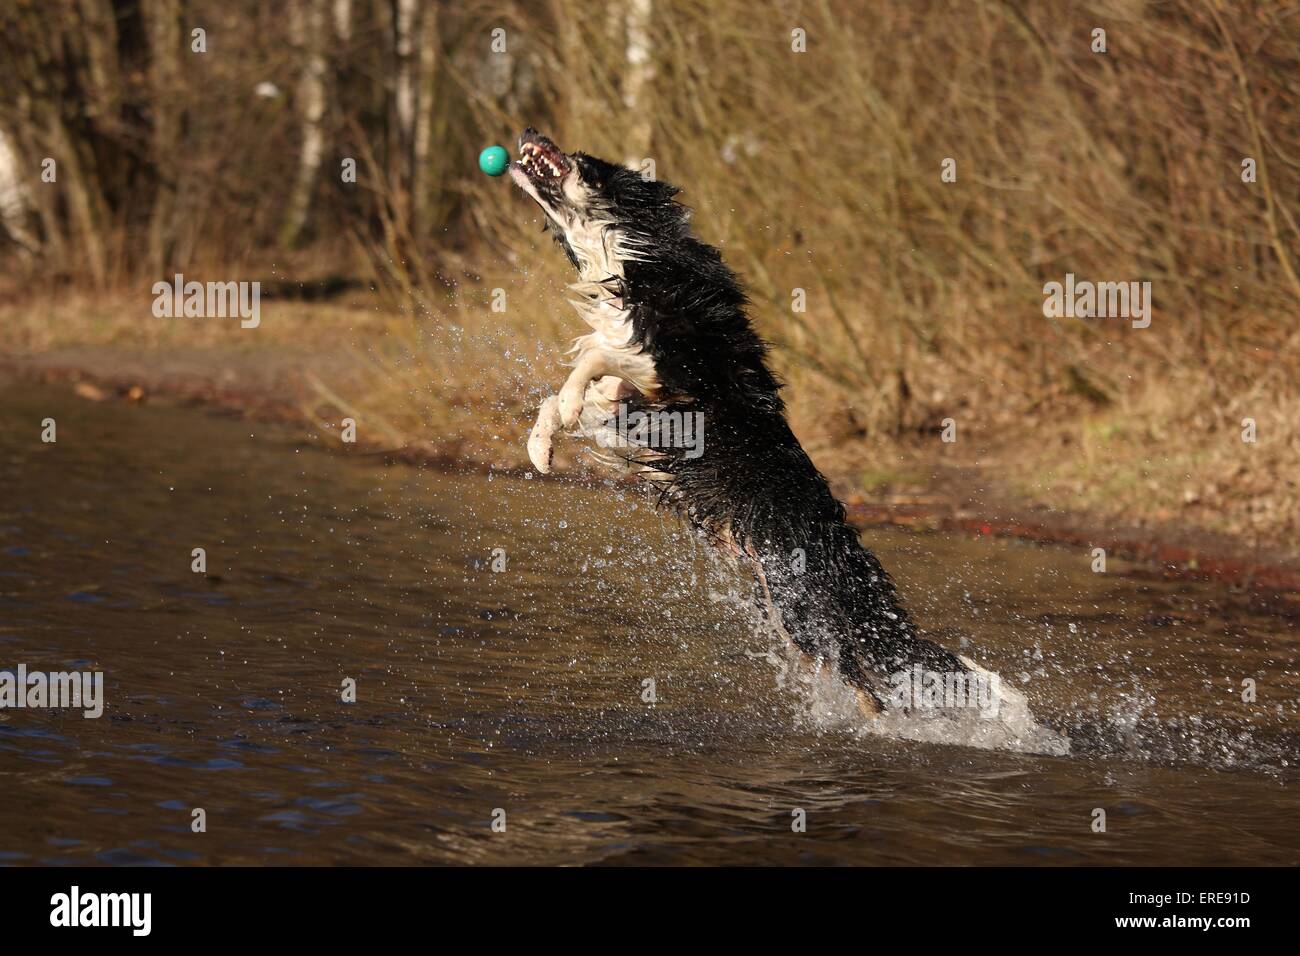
(287, 385)
(261, 383)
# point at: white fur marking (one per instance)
(607, 353)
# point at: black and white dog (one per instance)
(670, 339)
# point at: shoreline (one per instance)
(272, 388)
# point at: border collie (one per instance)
(670, 340)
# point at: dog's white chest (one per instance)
(601, 252)
(610, 321)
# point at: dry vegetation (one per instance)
(817, 171)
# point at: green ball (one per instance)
(493, 160)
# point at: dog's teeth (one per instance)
(537, 161)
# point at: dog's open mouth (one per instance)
(541, 159)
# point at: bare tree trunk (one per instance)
(80, 186)
(404, 87)
(343, 20)
(307, 33)
(163, 23)
(104, 82)
(636, 82)
(421, 169)
(574, 55)
(41, 65)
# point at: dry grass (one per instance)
(821, 171)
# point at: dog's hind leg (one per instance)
(868, 704)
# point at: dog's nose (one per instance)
(527, 134)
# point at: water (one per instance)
(523, 690)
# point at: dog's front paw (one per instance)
(540, 452)
(569, 402)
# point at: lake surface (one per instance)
(518, 693)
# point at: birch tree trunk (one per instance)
(343, 20)
(307, 34)
(13, 199)
(404, 87)
(637, 79)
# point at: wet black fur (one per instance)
(753, 479)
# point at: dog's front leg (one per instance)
(598, 401)
(591, 365)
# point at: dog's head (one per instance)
(597, 210)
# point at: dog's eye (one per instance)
(588, 171)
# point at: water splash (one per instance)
(825, 703)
